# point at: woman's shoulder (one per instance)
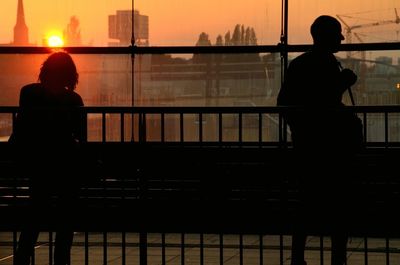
(76, 98)
(30, 92)
(31, 87)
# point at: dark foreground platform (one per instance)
(207, 188)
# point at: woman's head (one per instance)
(59, 69)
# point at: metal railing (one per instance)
(213, 125)
(135, 125)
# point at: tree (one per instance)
(253, 37)
(247, 36)
(228, 38)
(242, 33)
(241, 36)
(219, 41)
(236, 36)
(218, 67)
(203, 40)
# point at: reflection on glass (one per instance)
(378, 76)
(180, 23)
(207, 80)
(157, 23)
(78, 23)
(362, 21)
(104, 80)
(378, 84)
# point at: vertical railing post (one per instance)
(143, 248)
(220, 130)
(181, 127)
(240, 127)
(84, 125)
(50, 248)
(183, 249)
(143, 230)
(142, 126)
(387, 247)
(386, 129)
(103, 127)
(221, 249)
(200, 127)
(163, 258)
(365, 126)
(261, 250)
(122, 126)
(260, 128)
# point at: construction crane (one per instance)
(349, 29)
(349, 32)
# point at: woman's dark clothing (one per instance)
(58, 126)
(47, 132)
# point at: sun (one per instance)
(55, 41)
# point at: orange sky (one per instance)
(179, 22)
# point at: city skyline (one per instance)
(167, 27)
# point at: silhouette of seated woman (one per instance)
(47, 133)
(316, 83)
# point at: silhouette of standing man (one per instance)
(315, 82)
(47, 133)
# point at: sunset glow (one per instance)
(55, 41)
(177, 22)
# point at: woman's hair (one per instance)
(59, 68)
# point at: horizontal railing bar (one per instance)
(379, 46)
(73, 50)
(215, 109)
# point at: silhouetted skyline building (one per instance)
(384, 65)
(120, 28)
(21, 32)
(72, 33)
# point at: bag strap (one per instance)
(348, 88)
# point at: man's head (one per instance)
(327, 33)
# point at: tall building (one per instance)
(20, 29)
(384, 65)
(72, 34)
(120, 28)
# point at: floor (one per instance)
(271, 254)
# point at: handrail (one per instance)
(382, 46)
(214, 109)
(266, 120)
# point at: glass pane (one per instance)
(104, 80)
(378, 83)
(207, 79)
(181, 22)
(76, 22)
(362, 20)
(378, 74)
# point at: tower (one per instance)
(120, 28)
(20, 28)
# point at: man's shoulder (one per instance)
(303, 58)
